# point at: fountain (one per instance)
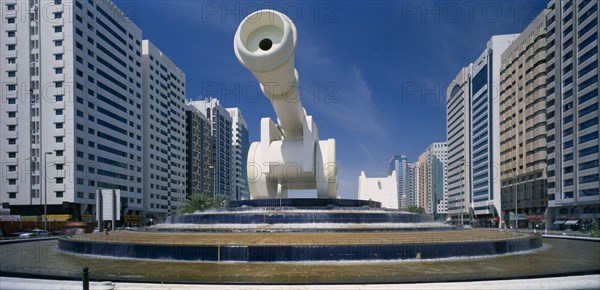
(274, 228)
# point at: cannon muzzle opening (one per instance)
(265, 44)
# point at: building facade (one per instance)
(72, 121)
(523, 127)
(240, 146)
(399, 164)
(572, 114)
(164, 127)
(458, 136)
(221, 161)
(485, 132)
(413, 183)
(432, 169)
(198, 138)
(382, 189)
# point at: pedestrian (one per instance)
(106, 231)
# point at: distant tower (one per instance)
(241, 145)
(399, 164)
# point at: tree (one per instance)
(415, 209)
(199, 201)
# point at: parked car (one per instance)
(32, 233)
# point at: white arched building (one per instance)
(382, 189)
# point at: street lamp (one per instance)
(516, 203)
(46, 191)
(214, 181)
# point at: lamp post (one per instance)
(516, 203)
(214, 181)
(46, 191)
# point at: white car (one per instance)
(34, 233)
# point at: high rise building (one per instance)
(399, 164)
(199, 178)
(572, 113)
(523, 126)
(72, 117)
(164, 127)
(483, 160)
(413, 183)
(458, 136)
(241, 145)
(431, 183)
(221, 161)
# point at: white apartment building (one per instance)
(164, 127)
(458, 136)
(432, 182)
(240, 146)
(71, 106)
(381, 189)
(477, 88)
(572, 114)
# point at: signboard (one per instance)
(30, 218)
(59, 217)
(10, 218)
(520, 216)
(133, 218)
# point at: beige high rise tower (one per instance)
(523, 126)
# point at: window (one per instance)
(12, 114)
(58, 125)
(12, 141)
(58, 112)
(12, 195)
(58, 70)
(58, 56)
(568, 182)
(588, 151)
(11, 60)
(568, 144)
(588, 123)
(11, 87)
(57, 2)
(568, 119)
(59, 153)
(11, 73)
(57, 29)
(568, 169)
(568, 156)
(58, 15)
(59, 193)
(588, 178)
(589, 164)
(12, 101)
(11, 46)
(58, 84)
(60, 166)
(58, 139)
(589, 109)
(567, 132)
(59, 98)
(12, 168)
(10, 7)
(58, 43)
(588, 137)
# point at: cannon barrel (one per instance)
(265, 44)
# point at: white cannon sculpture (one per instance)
(289, 154)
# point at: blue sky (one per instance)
(372, 73)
